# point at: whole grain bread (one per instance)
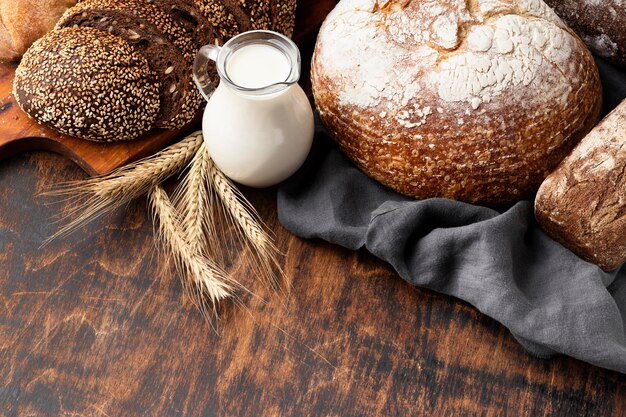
(88, 83)
(187, 14)
(582, 204)
(161, 40)
(221, 18)
(473, 101)
(234, 16)
(600, 24)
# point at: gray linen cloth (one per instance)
(501, 262)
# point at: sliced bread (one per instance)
(163, 43)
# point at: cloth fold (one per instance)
(500, 262)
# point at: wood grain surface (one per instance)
(96, 325)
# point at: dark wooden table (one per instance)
(96, 325)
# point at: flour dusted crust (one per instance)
(471, 100)
(600, 23)
(583, 203)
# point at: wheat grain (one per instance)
(193, 199)
(242, 214)
(205, 283)
(96, 196)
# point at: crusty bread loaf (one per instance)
(106, 91)
(600, 23)
(22, 22)
(161, 40)
(583, 203)
(474, 101)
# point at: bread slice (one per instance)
(189, 16)
(222, 18)
(87, 83)
(163, 43)
(283, 16)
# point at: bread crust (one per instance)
(25, 21)
(600, 24)
(582, 204)
(473, 101)
(87, 83)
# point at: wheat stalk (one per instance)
(240, 212)
(96, 196)
(193, 199)
(205, 283)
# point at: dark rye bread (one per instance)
(88, 83)
(162, 42)
(222, 18)
(190, 18)
(256, 12)
(283, 16)
(235, 16)
(582, 204)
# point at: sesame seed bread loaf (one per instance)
(165, 33)
(282, 15)
(600, 23)
(106, 92)
(473, 101)
(162, 41)
(221, 18)
(189, 16)
(583, 203)
(235, 16)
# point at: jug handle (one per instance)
(201, 75)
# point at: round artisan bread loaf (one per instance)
(582, 204)
(474, 101)
(87, 83)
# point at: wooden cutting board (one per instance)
(19, 133)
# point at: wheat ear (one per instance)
(205, 283)
(96, 196)
(241, 213)
(193, 199)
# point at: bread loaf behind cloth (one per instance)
(600, 23)
(582, 204)
(25, 21)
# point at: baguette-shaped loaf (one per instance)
(583, 203)
(600, 23)
(474, 101)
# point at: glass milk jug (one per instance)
(258, 123)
